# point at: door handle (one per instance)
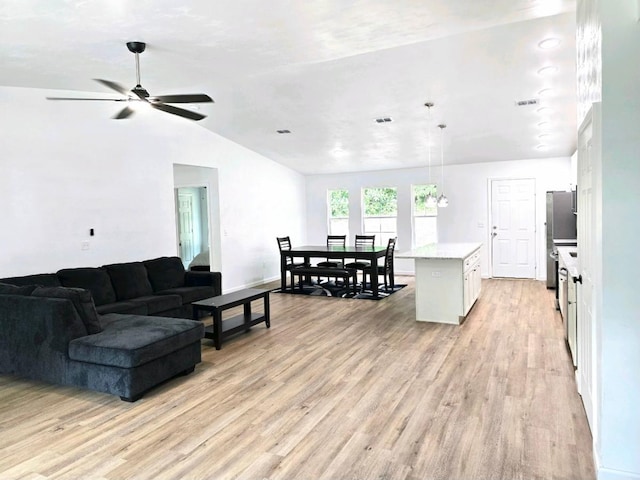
(494, 234)
(578, 279)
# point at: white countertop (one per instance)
(441, 251)
(571, 263)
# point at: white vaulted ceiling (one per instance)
(323, 69)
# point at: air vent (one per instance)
(524, 103)
(384, 120)
(283, 131)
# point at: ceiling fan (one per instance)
(140, 94)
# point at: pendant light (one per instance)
(431, 200)
(443, 201)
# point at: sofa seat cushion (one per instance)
(128, 307)
(165, 273)
(82, 302)
(129, 280)
(190, 294)
(42, 279)
(96, 280)
(159, 303)
(133, 340)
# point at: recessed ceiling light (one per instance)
(541, 147)
(544, 110)
(549, 43)
(545, 91)
(544, 135)
(548, 70)
(283, 131)
(544, 124)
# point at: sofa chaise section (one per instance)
(46, 339)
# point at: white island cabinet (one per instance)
(447, 280)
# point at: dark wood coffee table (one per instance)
(238, 323)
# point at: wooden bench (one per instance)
(346, 274)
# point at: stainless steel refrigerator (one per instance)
(561, 228)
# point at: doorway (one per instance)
(192, 213)
(513, 232)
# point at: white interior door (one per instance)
(585, 374)
(185, 227)
(513, 229)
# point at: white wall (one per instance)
(466, 219)
(66, 167)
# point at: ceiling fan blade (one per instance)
(184, 98)
(181, 112)
(92, 99)
(113, 86)
(124, 113)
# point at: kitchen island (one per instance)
(447, 280)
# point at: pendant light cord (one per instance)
(442, 126)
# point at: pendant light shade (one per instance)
(443, 201)
(431, 200)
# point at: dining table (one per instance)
(307, 252)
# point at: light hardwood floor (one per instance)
(335, 389)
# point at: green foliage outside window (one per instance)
(420, 200)
(380, 202)
(339, 203)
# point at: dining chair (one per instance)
(284, 244)
(334, 241)
(360, 263)
(386, 269)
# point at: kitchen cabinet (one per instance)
(572, 319)
(567, 297)
(472, 280)
(448, 280)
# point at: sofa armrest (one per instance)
(35, 335)
(204, 279)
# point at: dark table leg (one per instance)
(283, 273)
(373, 275)
(217, 328)
(194, 312)
(247, 316)
(267, 318)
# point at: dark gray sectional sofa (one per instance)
(114, 329)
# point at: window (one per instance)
(338, 208)
(380, 213)
(425, 227)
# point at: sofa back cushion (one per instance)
(8, 289)
(165, 273)
(82, 302)
(129, 280)
(96, 280)
(43, 279)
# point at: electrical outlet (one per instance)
(85, 245)
(436, 274)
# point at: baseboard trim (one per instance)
(611, 474)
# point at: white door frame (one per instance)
(489, 242)
(193, 176)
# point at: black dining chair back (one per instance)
(363, 241)
(360, 263)
(334, 241)
(284, 244)
(386, 269)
